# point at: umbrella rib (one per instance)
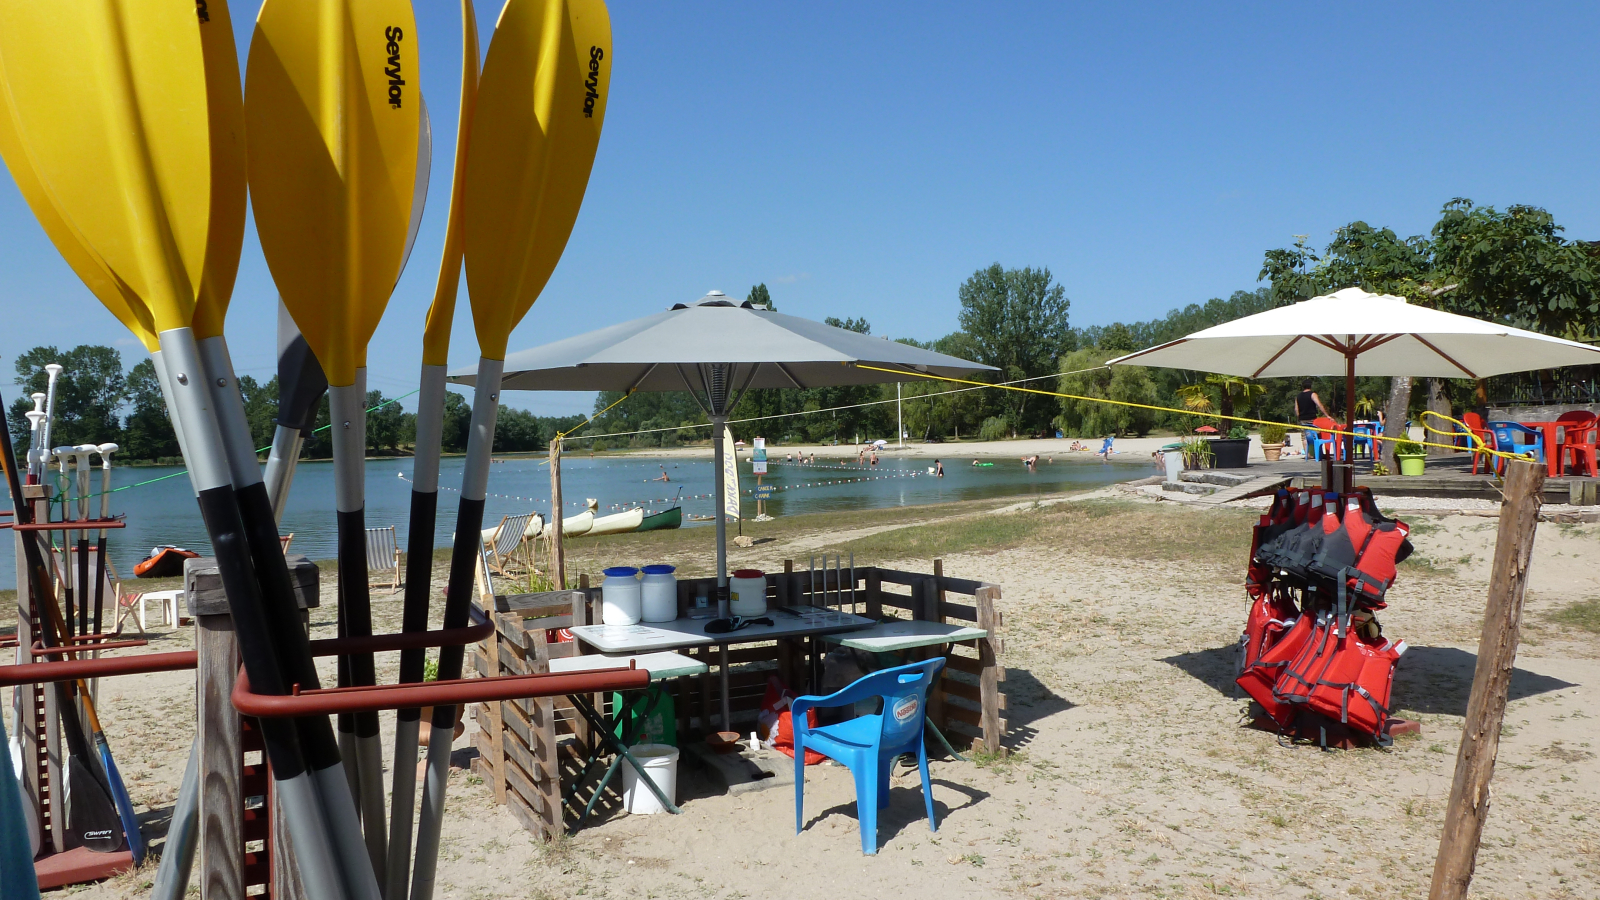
(640, 380)
(690, 388)
(1281, 351)
(740, 395)
(789, 375)
(1426, 343)
(1327, 340)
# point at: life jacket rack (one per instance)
(1312, 654)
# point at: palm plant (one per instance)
(1226, 389)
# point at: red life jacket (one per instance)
(1272, 613)
(1354, 687)
(1363, 552)
(1260, 676)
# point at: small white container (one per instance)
(661, 764)
(620, 597)
(747, 593)
(659, 591)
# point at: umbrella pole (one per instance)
(1349, 409)
(719, 424)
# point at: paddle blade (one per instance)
(92, 818)
(85, 263)
(124, 803)
(541, 102)
(225, 109)
(110, 102)
(442, 312)
(331, 114)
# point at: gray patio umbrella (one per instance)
(716, 349)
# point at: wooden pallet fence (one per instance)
(529, 749)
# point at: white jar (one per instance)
(659, 591)
(747, 593)
(619, 596)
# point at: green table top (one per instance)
(887, 637)
(660, 665)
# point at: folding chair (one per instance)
(286, 540)
(383, 555)
(507, 539)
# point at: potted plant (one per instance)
(1233, 451)
(1272, 441)
(1410, 456)
(1197, 453)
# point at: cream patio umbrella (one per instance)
(1327, 335)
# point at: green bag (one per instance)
(654, 718)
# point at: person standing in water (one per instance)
(938, 469)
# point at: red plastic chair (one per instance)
(1481, 431)
(1578, 437)
(1326, 439)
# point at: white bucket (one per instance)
(661, 763)
(747, 590)
(619, 596)
(660, 594)
(1174, 463)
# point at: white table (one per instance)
(888, 637)
(660, 665)
(685, 632)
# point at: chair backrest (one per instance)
(1325, 427)
(904, 690)
(1474, 421)
(511, 532)
(1506, 434)
(1579, 426)
(381, 548)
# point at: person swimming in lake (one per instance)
(662, 476)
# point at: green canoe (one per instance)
(670, 518)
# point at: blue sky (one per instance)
(863, 159)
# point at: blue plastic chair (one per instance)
(868, 745)
(1506, 436)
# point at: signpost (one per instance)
(758, 462)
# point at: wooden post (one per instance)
(221, 869)
(938, 592)
(1486, 707)
(558, 552)
(989, 677)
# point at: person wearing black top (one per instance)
(1306, 406)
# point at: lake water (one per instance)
(164, 512)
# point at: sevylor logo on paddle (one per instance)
(592, 86)
(394, 35)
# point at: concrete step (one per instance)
(1250, 487)
(1219, 477)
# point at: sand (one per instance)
(1129, 773)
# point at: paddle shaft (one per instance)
(457, 606)
(347, 406)
(254, 628)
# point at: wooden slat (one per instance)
(221, 869)
(963, 664)
(557, 602)
(989, 676)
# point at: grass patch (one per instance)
(1584, 614)
(1109, 528)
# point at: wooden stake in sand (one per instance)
(1497, 652)
(558, 550)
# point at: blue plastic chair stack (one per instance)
(868, 745)
(1506, 440)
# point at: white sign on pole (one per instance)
(730, 476)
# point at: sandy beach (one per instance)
(1128, 770)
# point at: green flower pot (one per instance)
(1411, 464)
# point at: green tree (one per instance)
(1017, 322)
(457, 423)
(759, 295)
(389, 426)
(147, 431)
(89, 394)
(260, 409)
(1085, 375)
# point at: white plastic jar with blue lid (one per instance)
(659, 590)
(619, 596)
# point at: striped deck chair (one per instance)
(383, 558)
(502, 545)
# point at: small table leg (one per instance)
(609, 740)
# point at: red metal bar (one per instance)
(459, 692)
(41, 650)
(73, 669)
(73, 525)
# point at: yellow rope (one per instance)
(561, 435)
(1478, 445)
